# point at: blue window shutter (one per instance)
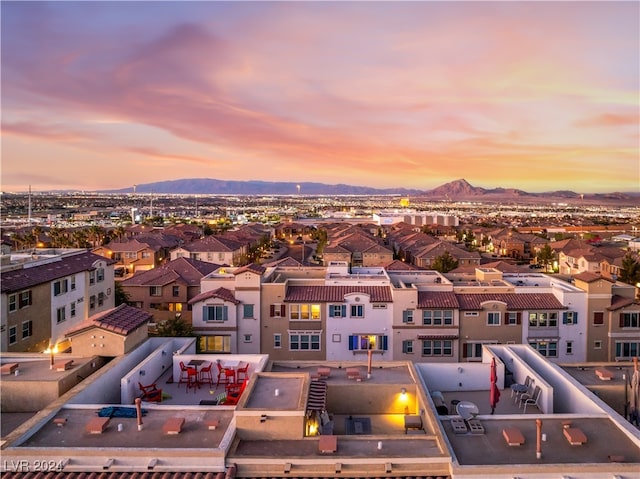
(353, 343)
(344, 310)
(385, 344)
(225, 313)
(331, 310)
(405, 316)
(575, 317)
(204, 313)
(564, 317)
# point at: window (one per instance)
(407, 346)
(514, 317)
(60, 287)
(247, 311)
(364, 342)
(61, 314)
(13, 335)
(131, 255)
(548, 349)
(493, 319)
(543, 320)
(569, 347)
(100, 299)
(471, 313)
(100, 274)
(72, 309)
(155, 290)
(92, 301)
(175, 291)
(597, 344)
(92, 277)
(247, 338)
(25, 299)
(472, 350)
(277, 341)
(570, 317)
(175, 307)
(627, 350)
(27, 329)
(437, 347)
(146, 254)
(73, 283)
(379, 306)
(217, 312)
(598, 318)
(437, 317)
(630, 320)
(407, 316)
(277, 310)
(304, 312)
(304, 342)
(337, 310)
(215, 344)
(357, 311)
(13, 303)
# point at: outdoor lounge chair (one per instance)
(150, 393)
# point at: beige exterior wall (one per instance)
(475, 329)
(377, 259)
(38, 312)
(100, 342)
(169, 305)
(618, 334)
(327, 258)
(598, 302)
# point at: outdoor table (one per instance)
(195, 364)
(467, 410)
(518, 389)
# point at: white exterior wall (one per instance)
(248, 292)
(574, 301)
(215, 327)
(375, 322)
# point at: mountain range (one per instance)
(458, 190)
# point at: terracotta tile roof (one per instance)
(114, 475)
(123, 319)
(588, 277)
(253, 267)
(222, 293)
(397, 265)
(619, 302)
(28, 277)
(189, 271)
(525, 301)
(326, 294)
(213, 244)
(437, 300)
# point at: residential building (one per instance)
(51, 292)
(166, 290)
(140, 253)
(213, 249)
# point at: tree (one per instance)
(630, 269)
(120, 295)
(444, 263)
(175, 327)
(546, 256)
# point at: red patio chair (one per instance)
(242, 373)
(150, 393)
(205, 375)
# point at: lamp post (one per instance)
(51, 356)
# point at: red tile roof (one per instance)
(437, 300)
(514, 302)
(326, 294)
(619, 302)
(190, 271)
(19, 279)
(222, 293)
(123, 319)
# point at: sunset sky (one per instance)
(539, 96)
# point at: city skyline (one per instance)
(539, 96)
